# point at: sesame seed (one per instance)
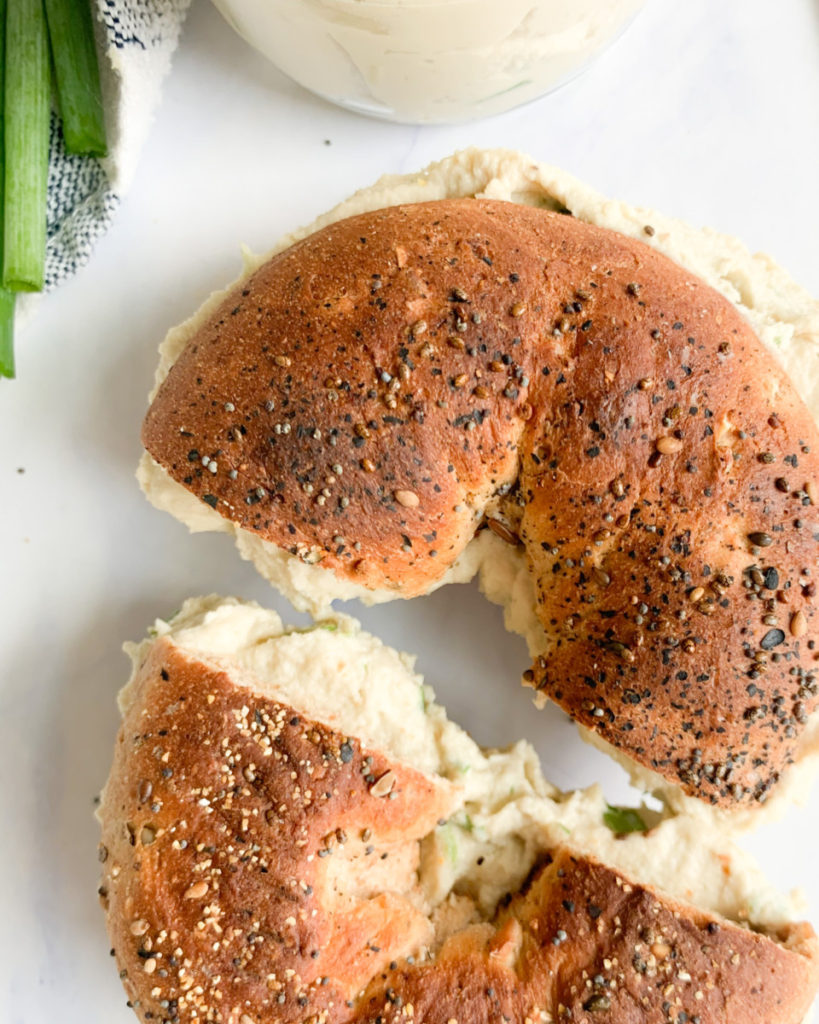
(518, 309)
(668, 445)
(384, 785)
(196, 891)
(798, 624)
(282, 360)
(409, 499)
(368, 465)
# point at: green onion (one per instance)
(6, 333)
(27, 109)
(78, 77)
(622, 820)
(6, 297)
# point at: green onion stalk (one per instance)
(6, 296)
(77, 75)
(27, 111)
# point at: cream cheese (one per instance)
(505, 814)
(428, 60)
(333, 671)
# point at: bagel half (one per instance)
(277, 845)
(364, 403)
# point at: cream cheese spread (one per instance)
(505, 814)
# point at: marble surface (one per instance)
(704, 110)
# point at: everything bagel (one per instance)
(365, 402)
(277, 845)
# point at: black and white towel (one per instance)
(135, 42)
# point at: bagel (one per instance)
(363, 404)
(292, 830)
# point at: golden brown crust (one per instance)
(253, 873)
(223, 822)
(364, 394)
(584, 944)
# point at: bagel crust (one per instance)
(374, 394)
(258, 867)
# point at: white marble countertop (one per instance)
(705, 110)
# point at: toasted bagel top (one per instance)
(375, 393)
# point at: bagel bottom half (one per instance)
(293, 831)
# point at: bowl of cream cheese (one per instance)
(429, 61)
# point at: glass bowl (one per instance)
(428, 61)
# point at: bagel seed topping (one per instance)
(409, 499)
(668, 445)
(798, 624)
(384, 785)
